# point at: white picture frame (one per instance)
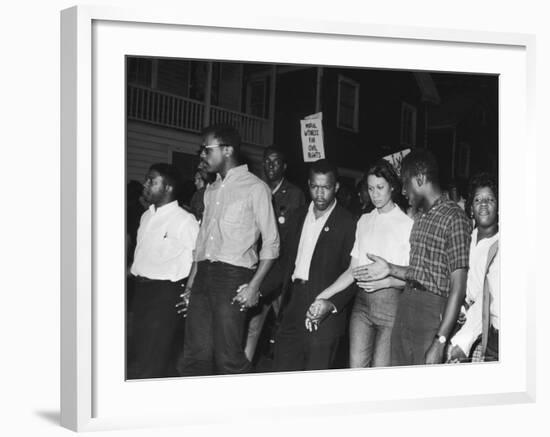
(93, 396)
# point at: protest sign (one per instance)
(312, 137)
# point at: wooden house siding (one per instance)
(148, 144)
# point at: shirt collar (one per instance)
(164, 208)
(441, 199)
(233, 171)
(489, 240)
(325, 215)
(278, 186)
(386, 214)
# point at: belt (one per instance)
(415, 285)
(299, 281)
(143, 279)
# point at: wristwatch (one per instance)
(441, 338)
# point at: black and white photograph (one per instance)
(294, 217)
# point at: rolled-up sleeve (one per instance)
(265, 220)
(457, 244)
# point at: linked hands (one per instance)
(316, 313)
(181, 307)
(247, 296)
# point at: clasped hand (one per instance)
(182, 306)
(316, 312)
(247, 296)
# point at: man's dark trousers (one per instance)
(295, 347)
(155, 322)
(215, 328)
(417, 321)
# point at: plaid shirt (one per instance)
(440, 244)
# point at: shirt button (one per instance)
(211, 238)
(217, 203)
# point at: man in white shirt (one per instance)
(162, 261)
(317, 251)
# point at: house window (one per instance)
(408, 125)
(347, 116)
(257, 100)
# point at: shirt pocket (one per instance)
(235, 212)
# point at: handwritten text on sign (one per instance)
(396, 158)
(312, 139)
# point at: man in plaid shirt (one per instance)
(438, 265)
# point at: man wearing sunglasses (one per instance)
(228, 268)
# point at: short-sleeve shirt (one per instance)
(440, 244)
(165, 243)
(383, 234)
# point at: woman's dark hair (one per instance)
(383, 169)
(480, 180)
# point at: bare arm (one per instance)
(343, 282)
(434, 355)
(263, 267)
(456, 297)
(379, 269)
(398, 272)
(191, 277)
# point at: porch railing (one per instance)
(169, 110)
(164, 109)
(252, 129)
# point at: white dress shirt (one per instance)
(308, 240)
(165, 242)
(383, 234)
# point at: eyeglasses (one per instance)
(206, 147)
